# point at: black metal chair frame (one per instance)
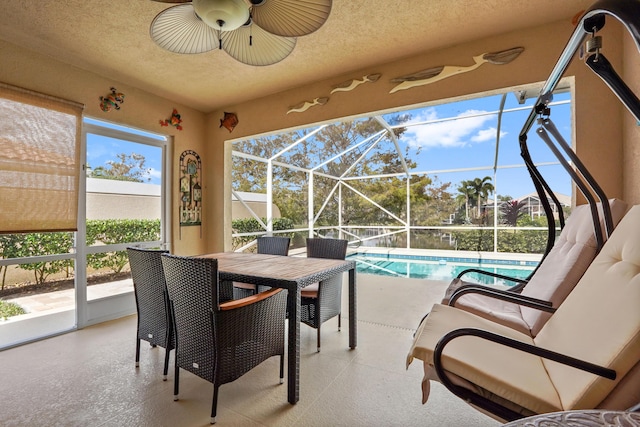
(591, 22)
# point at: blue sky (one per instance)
(463, 135)
(101, 149)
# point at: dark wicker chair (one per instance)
(220, 342)
(152, 302)
(323, 301)
(272, 245)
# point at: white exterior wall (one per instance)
(110, 199)
(256, 201)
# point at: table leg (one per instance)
(353, 333)
(293, 352)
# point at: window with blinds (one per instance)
(39, 161)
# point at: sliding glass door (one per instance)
(53, 282)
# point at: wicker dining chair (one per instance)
(220, 342)
(152, 302)
(271, 245)
(323, 301)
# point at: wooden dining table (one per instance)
(290, 273)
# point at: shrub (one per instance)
(34, 244)
(98, 231)
(8, 309)
(114, 231)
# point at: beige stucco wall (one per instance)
(601, 125)
(597, 112)
(140, 109)
(631, 128)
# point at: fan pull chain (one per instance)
(250, 28)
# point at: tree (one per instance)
(481, 188)
(467, 193)
(512, 211)
(333, 149)
(130, 167)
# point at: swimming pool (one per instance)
(440, 268)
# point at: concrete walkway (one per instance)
(38, 303)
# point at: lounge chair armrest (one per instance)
(484, 402)
(634, 408)
(502, 295)
(488, 273)
(230, 305)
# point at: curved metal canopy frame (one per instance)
(628, 13)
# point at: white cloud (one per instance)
(155, 174)
(488, 134)
(458, 132)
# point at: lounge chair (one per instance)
(558, 273)
(586, 356)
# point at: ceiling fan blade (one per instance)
(178, 29)
(291, 18)
(265, 48)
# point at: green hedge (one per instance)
(114, 231)
(34, 244)
(251, 225)
(513, 241)
(98, 232)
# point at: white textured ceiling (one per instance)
(111, 38)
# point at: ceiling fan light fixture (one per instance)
(224, 15)
(255, 32)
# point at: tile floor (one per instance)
(88, 377)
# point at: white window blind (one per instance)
(39, 161)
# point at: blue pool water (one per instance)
(441, 268)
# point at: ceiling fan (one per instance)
(255, 32)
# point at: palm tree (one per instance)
(466, 191)
(481, 189)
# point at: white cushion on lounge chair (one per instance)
(518, 376)
(555, 278)
(599, 322)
